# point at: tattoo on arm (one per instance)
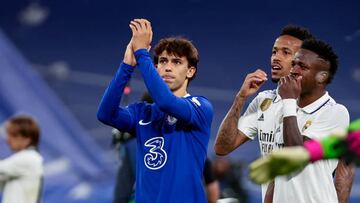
(344, 177)
(226, 139)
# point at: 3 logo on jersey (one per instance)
(157, 156)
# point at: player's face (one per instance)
(174, 70)
(283, 52)
(14, 140)
(308, 65)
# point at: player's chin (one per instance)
(275, 79)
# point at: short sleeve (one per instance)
(248, 121)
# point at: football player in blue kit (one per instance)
(172, 133)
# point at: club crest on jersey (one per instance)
(306, 126)
(156, 157)
(265, 104)
(171, 120)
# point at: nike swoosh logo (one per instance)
(142, 123)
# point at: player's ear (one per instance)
(191, 72)
(322, 77)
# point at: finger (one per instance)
(298, 80)
(133, 28)
(261, 72)
(257, 75)
(146, 24)
(281, 81)
(142, 24)
(135, 25)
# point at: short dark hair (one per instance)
(27, 127)
(178, 46)
(298, 32)
(326, 52)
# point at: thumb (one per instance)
(298, 80)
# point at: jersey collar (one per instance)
(316, 105)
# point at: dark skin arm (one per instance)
(229, 137)
(269, 193)
(291, 133)
(344, 177)
(290, 88)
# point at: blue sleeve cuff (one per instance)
(141, 52)
(127, 66)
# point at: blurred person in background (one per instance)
(21, 173)
(229, 176)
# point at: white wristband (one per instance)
(289, 107)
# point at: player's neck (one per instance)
(182, 91)
(307, 99)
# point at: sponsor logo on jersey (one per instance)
(156, 157)
(265, 104)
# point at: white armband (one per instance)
(289, 107)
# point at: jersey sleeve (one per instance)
(334, 119)
(248, 121)
(18, 165)
(195, 111)
(109, 112)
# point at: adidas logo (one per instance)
(261, 118)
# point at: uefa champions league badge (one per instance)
(265, 104)
(171, 120)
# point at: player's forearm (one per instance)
(291, 134)
(159, 90)
(109, 105)
(228, 130)
(343, 180)
(269, 192)
(213, 192)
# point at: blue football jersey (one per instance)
(172, 136)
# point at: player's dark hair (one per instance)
(298, 32)
(180, 47)
(26, 126)
(326, 52)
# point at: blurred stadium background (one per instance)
(57, 57)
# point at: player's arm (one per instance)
(289, 90)
(344, 177)
(229, 137)
(109, 111)
(192, 112)
(14, 166)
(211, 183)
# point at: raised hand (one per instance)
(290, 87)
(129, 57)
(252, 83)
(141, 34)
